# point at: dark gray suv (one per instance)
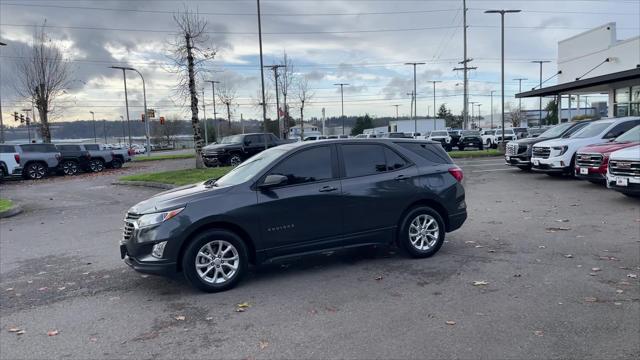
(298, 199)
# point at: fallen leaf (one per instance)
(243, 305)
(379, 277)
(208, 318)
(632, 276)
(240, 309)
(180, 317)
(558, 228)
(480, 283)
(538, 333)
(470, 242)
(517, 275)
(43, 289)
(542, 247)
(53, 332)
(9, 289)
(619, 291)
(562, 220)
(450, 322)
(263, 344)
(14, 329)
(20, 332)
(568, 256)
(595, 269)
(590, 299)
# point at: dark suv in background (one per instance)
(233, 150)
(295, 199)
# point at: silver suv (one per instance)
(38, 160)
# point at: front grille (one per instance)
(589, 160)
(623, 167)
(128, 225)
(512, 149)
(541, 152)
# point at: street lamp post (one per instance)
(519, 80)
(473, 103)
(264, 102)
(95, 137)
(434, 102)
(1, 123)
(540, 87)
(415, 95)
(502, 12)
(126, 100)
(144, 97)
(342, 101)
(492, 91)
(213, 97)
(479, 117)
(123, 132)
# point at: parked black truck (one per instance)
(74, 159)
(233, 150)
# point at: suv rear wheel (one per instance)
(235, 160)
(70, 167)
(96, 165)
(116, 163)
(422, 232)
(215, 260)
(35, 171)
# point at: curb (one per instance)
(15, 210)
(149, 184)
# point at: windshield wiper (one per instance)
(210, 182)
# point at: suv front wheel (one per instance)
(235, 160)
(96, 165)
(422, 232)
(215, 260)
(35, 171)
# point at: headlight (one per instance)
(561, 149)
(157, 218)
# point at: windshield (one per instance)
(235, 139)
(470, 133)
(250, 167)
(556, 131)
(632, 135)
(439, 133)
(591, 130)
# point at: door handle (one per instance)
(401, 177)
(328, 188)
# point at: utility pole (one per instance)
(519, 80)
(204, 115)
(1, 123)
(213, 97)
(492, 91)
(502, 12)
(95, 138)
(342, 101)
(396, 106)
(472, 110)
(415, 95)
(124, 134)
(104, 129)
(434, 102)
(540, 86)
(264, 102)
(275, 76)
(411, 108)
(323, 118)
(479, 117)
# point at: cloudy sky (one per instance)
(361, 42)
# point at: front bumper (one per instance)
(593, 174)
(551, 165)
(214, 159)
(631, 184)
(517, 160)
(165, 269)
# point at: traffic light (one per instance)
(151, 113)
(21, 118)
(161, 120)
(142, 116)
(15, 116)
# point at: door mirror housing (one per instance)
(273, 181)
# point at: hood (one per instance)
(531, 141)
(176, 198)
(630, 153)
(609, 147)
(220, 146)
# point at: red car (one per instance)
(591, 161)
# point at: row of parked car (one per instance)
(36, 161)
(604, 151)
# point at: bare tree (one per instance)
(189, 51)
(516, 114)
(227, 95)
(268, 98)
(167, 132)
(286, 81)
(42, 76)
(304, 95)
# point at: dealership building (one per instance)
(595, 63)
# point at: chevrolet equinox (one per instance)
(297, 199)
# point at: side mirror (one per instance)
(273, 181)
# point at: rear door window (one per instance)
(363, 159)
(92, 147)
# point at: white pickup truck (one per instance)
(623, 173)
(488, 137)
(9, 161)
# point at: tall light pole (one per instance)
(264, 102)
(415, 95)
(342, 85)
(479, 119)
(492, 91)
(144, 97)
(434, 102)
(275, 77)
(1, 123)
(412, 94)
(473, 103)
(204, 115)
(95, 137)
(540, 86)
(213, 97)
(123, 132)
(104, 128)
(519, 80)
(502, 12)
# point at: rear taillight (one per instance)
(456, 172)
(17, 158)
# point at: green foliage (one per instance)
(449, 119)
(140, 158)
(362, 122)
(180, 177)
(552, 113)
(5, 204)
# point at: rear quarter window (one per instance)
(92, 147)
(42, 148)
(431, 152)
(7, 149)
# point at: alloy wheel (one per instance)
(235, 160)
(424, 232)
(36, 171)
(217, 262)
(70, 168)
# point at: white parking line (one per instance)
(500, 163)
(477, 171)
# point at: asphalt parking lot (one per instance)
(555, 262)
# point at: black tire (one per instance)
(70, 168)
(235, 160)
(116, 163)
(35, 171)
(2, 174)
(447, 148)
(525, 168)
(635, 196)
(460, 147)
(404, 239)
(201, 240)
(96, 165)
(481, 147)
